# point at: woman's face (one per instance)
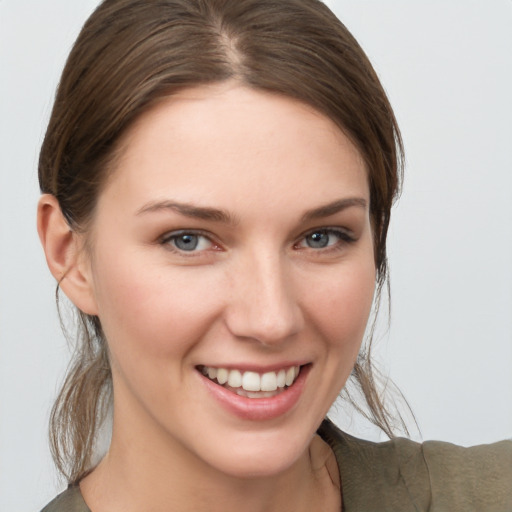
(233, 239)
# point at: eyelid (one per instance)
(346, 236)
(170, 235)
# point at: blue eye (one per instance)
(324, 238)
(187, 241)
(318, 240)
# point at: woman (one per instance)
(217, 180)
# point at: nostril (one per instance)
(264, 328)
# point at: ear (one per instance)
(65, 255)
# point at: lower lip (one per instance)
(258, 409)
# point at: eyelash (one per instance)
(344, 238)
(168, 238)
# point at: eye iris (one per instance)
(317, 240)
(186, 242)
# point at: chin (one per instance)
(257, 457)
(261, 466)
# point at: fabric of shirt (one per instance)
(401, 476)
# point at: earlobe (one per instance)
(65, 255)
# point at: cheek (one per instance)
(155, 311)
(341, 304)
(338, 307)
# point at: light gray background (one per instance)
(447, 68)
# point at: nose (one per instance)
(264, 305)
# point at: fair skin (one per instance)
(233, 236)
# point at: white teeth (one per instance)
(290, 376)
(254, 394)
(235, 379)
(281, 379)
(253, 382)
(222, 375)
(269, 381)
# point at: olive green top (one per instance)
(401, 475)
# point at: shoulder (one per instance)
(68, 501)
(402, 475)
(475, 478)
(379, 477)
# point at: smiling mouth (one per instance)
(252, 384)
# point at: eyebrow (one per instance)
(217, 215)
(334, 207)
(189, 210)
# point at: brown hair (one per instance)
(132, 53)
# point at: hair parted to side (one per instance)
(131, 54)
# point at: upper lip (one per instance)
(249, 367)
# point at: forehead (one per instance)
(208, 142)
